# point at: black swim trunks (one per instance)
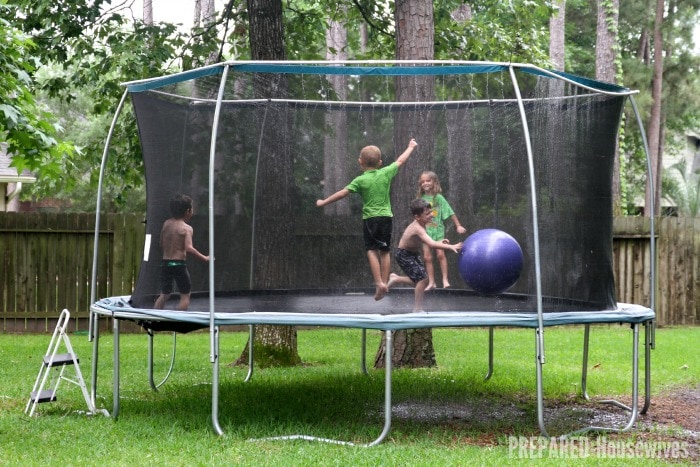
(412, 264)
(172, 269)
(377, 233)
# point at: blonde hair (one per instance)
(436, 183)
(370, 156)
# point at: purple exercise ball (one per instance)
(490, 261)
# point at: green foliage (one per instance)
(681, 84)
(28, 131)
(91, 47)
(92, 54)
(497, 31)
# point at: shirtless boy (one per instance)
(176, 243)
(410, 248)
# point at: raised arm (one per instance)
(407, 153)
(333, 198)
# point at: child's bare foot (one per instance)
(445, 285)
(392, 280)
(430, 286)
(382, 289)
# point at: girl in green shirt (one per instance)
(429, 189)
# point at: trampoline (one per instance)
(527, 150)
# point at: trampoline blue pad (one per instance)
(358, 309)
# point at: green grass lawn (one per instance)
(446, 415)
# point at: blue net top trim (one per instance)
(383, 70)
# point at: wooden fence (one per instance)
(46, 265)
(677, 266)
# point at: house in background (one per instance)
(683, 165)
(693, 151)
(11, 182)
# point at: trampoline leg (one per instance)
(215, 386)
(389, 345)
(490, 371)
(387, 389)
(115, 370)
(151, 381)
(584, 370)
(95, 333)
(251, 360)
(540, 389)
(635, 392)
(363, 355)
(647, 365)
(150, 361)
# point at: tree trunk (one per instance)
(606, 40)
(413, 348)
(556, 36)
(460, 133)
(336, 165)
(273, 261)
(197, 17)
(653, 191)
(148, 12)
(606, 70)
(414, 40)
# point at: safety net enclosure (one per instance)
(519, 149)
(516, 148)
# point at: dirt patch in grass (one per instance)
(673, 418)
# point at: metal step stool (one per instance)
(52, 369)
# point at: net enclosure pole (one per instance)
(213, 328)
(536, 246)
(93, 328)
(533, 204)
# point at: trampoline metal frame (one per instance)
(540, 349)
(633, 409)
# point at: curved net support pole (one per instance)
(213, 328)
(539, 335)
(535, 226)
(151, 381)
(650, 328)
(93, 326)
(387, 408)
(214, 351)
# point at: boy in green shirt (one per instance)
(374, 186)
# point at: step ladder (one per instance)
(52, 369)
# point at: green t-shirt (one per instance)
(441, 212)
(374, 187)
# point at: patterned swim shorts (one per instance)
(412, 264)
